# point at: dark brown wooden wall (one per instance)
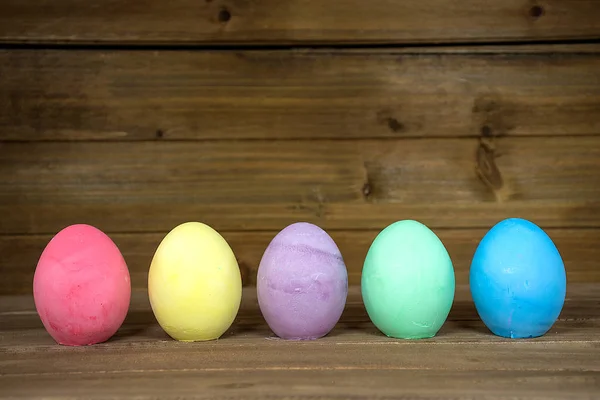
(250, 115)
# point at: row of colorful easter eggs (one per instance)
(82, 288)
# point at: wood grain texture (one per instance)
(578, 247)
(304, 384)
(265, 185)
(168, 95)
(353, 361)
(295, 21)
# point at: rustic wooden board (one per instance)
(276, 355)
(164, 95)
(316, 384)
(354, 361)
(579, 249)
(265, 185)
(295, 21)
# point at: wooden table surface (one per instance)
(355, 361)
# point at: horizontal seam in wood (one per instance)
(248, 231)
(24, 235)
(292, 368)
(257, 46)
(296, 139)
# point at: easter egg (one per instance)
(81, 286)
(194, 283)
(518, 280)
(302, 283)
(407, 281)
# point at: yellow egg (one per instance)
(194, 284)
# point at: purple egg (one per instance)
(302, 283)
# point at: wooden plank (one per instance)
(265, 185)
(305, 384)
(166, 95)
(480, 48)
(355, 360)
(578, 247)
(275, 354)
(295, 21)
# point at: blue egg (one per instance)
(518, 280)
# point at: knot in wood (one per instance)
(486, 166)
(224, 15)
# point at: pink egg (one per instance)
(81, 286)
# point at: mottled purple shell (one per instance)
(302, 283)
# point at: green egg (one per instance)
(408, 281)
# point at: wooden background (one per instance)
(250, 115)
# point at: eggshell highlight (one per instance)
(194, 283)
(408, 281)
(302, 283)
(518, 280)
(81, 286)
